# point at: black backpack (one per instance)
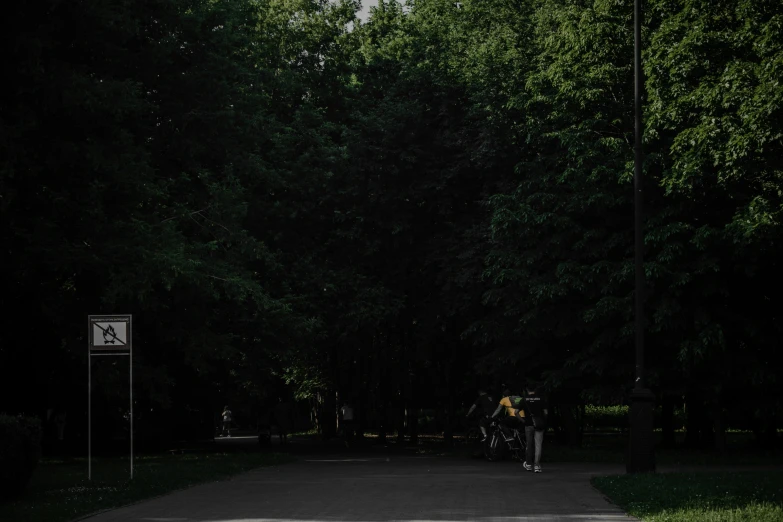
(517, 402)
(539, 421)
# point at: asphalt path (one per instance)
(354, 486)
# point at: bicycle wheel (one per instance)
(493, 450)
(518, 451)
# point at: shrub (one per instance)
(20, 449)
(598, 417)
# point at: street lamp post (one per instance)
(641, 455)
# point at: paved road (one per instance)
(379, 488)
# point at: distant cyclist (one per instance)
(226, 415)
(515, 415)
(484, 405)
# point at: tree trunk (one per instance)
(707, 435)
(668, 439)
(329, 415)
(771, 430)
(403, 387)
(360, 397)
(401, 408)
(758, 431)
(570, 425)
(383, 391)
(413, 410)
(329, 402)
(448, 432)
(413, 423)
(383, 416)
(402, 405)
(315, 413)
(719, 426)
(693, 411)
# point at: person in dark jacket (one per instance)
(484, 405)
(226, 416)
(536, 413)
(284, 417)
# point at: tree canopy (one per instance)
(396, 211)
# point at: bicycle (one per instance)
(498, 445)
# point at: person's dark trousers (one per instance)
(535, 439)
(484, 422)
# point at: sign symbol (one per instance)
(109, 335)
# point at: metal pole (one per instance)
(639, 198)
(89, 413)
(130, 359)
(641, 456)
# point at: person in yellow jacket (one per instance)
(515, 415)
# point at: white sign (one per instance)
(110, 333)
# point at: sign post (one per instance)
(108, 335)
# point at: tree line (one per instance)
(396, 211)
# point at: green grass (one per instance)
(752, 496)
(60, 491)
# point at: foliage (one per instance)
(20, 449)
(294, 202)
(597, 417)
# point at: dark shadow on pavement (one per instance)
(365, 485)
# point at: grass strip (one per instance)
(60, 491)
(752, 496)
